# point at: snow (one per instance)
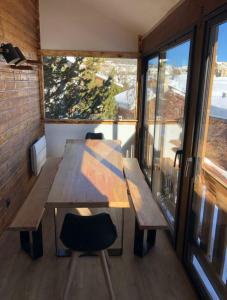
(219, 98)
(219, 95)
(179, 83)
(127, 99)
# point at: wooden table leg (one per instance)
(119, 251)
(60, 252)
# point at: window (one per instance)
(207, 242)
(90, 88)
(169, 127)
(216, 145)
(149, 115)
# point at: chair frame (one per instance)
(105, 262)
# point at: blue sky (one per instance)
(179, 55)
(222, 43)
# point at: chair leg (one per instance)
(107, 259)
(71, 273)
(107, 275)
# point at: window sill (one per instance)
(77, 121)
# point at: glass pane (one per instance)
(208, 241)
(169, 127)
(91, 88)
(149, 115)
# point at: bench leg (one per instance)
(144, 240)
(32, 245)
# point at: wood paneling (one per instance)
(190, 13)
(20, 122)
(107, 54)
(78, 121)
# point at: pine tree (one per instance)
(72, 91)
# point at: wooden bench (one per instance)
(29, 216)
(149, 217)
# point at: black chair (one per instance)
(94, 136)
(89, 234)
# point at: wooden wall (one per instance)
(20, 123)
(189, 14)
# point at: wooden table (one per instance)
(89, 175)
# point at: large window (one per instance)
(207, 245)
(169, 127)
(90, 88)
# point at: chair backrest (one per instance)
(94, 136)
(38, 155)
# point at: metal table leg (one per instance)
(119, 251)
(32, 242)
(60, 252)
(144, 240)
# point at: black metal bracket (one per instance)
(32, 242)
(144, 240)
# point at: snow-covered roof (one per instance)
(219, 98)
(127, 99)
(219, 95)
(179, 83)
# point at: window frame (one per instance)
(188, 35)
(98, 54)
(213, 19)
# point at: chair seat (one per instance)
(88, 233)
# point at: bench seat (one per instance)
(31, 212)
(148, 214)
(29, 216)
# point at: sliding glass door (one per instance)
(207, 243)
(169, 127)
(149, 116)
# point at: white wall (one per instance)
(56, 135)
(79, 25)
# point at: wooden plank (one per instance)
(179, 20)
(107, 54)
(90, 175)
(31, 212)
(148, 214)
(79, 121)
(139, 97)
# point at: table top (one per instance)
(90, 175)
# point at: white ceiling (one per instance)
(138, 16)
(99, 25)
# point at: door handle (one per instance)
(179, 153)
(188, 166)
